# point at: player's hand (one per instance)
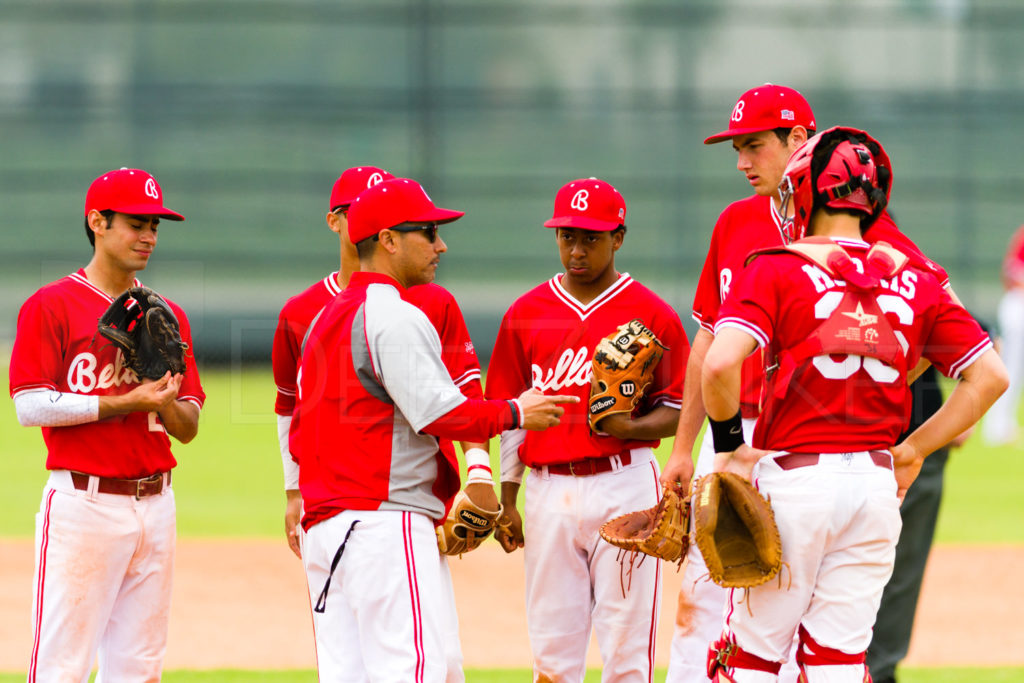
(540, 411)
(510, 528)
(678, 472)
(740, 461)
(906, 462)
(153, 395)
(292, 516)
(482, 494)
(618, 425)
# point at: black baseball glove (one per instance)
(144, 327)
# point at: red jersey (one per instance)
(844, 403)
(437, 302)
(546, 341)
(1013, 263)
(753, 224)
(57, 348)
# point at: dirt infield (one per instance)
(243, 604)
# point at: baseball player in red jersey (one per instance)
(106, 525)
(768, 123)
(842, 322)
(376, 410)
(1000, 426)
(580, 478)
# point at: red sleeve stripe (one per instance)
(754, 331)
(956, 368)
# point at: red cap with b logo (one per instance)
(766, 107)
(391, 203)
(353, 182)
(590, 204)
(128, 190)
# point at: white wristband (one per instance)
(478, 466)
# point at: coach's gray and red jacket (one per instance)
(373, 397)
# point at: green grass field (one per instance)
(228, 483)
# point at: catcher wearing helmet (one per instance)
(841, 322)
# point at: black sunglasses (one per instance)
(429, 230)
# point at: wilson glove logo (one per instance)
(627, 388)
(601, 405)
(472, 519)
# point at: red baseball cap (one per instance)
(390, 203)
(128, 190)
(590, 204)
(766, 107)
(352, 182)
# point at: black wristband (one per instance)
(727, 434)
(515, 414)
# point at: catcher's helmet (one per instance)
(842, 168)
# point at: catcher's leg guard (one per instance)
(811, 654)
(725, 655)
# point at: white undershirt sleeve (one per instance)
(291, 468)
(46, 408)
(512, 467)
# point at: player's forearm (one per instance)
(181, 419)
(660, 423)
(474, 420)
(288, 464)
(720, 389)
(982, 383)
(45, 408)
(509, 493)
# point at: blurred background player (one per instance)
(767, 124)
(376, 408)
(1000, 426)
(843, 322)
(581, 478)
(105, 531)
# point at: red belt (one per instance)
(140, 488)
(589, 466)
(791, 461)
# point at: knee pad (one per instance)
(725, 655)
(812, 653)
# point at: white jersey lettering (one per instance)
(82, 376)
(572, 369)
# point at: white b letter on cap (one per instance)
(374, 179)
(737, 112)
(151, 190)
(579, 200)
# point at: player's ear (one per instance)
(388, 241)
(797, 137)
(97, 222)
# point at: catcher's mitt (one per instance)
(466, 526)
(623, 367)
(734, 527)
(144, 327)
(662, 531)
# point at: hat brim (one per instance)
(733, 132)
(581, 222)
(148, 210)
(435, 215)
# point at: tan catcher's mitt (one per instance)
(662, 531)
(623, 368)
(466, 526)
(734, 527)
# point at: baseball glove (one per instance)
(623, 368)
(662, 531)
(466, 526)
(144, 327)
(734, 528)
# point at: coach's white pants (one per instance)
(574, 580)
(104, 565)
(389, 615)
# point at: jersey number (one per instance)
(876, 369)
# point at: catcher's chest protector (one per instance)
(856, 325)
